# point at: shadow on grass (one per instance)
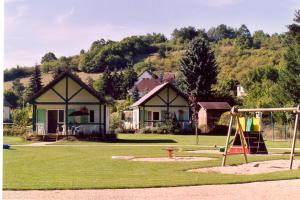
(145, 141)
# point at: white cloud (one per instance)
(65, 16)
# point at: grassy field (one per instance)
(161, 139)
(14, 140)
(82, 167)
(46, 78)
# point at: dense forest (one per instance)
(261, 63)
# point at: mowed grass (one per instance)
(174, 140)
(92, 166)
(13, 140)
(155, 139)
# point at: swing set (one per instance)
(244, 134)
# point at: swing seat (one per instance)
(238, 150)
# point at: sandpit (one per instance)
(218, 152)
(164, 159)
(252, 168)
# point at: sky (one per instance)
(64, 27)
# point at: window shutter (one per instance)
(41, 115)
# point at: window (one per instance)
(155, 116)
(61, 116)
(92, 116)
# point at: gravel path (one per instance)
(271, 190)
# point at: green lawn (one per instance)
(163, 139)
(14, 140)
(82, 166)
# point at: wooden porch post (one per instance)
(67, 107)
(34, 118)
(168, 101)
(100, 120)
(143, 116)
(294, 137)
(104, 117)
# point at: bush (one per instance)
(14, 130)
(114, 121)
(224, 119)
(118, 130)
(145, 130)
(20, 117)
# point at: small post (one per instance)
(196, 130)
(272, 123)
(294, 137)
(242, 138)
(228, 137)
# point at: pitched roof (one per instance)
(6, 103)
(61, 76)
(146, 70)
(147, 85)
(215, 105)
(155, 91)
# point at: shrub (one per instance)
(14, 130)
(114, 121)
(224, 119)
(21, 117)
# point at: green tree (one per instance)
(135, 94)
(48, 57)
(18, 87)
(162, 51)
(130, 77)
(244, 38)
(12, 98)
(291, 73)
(199, 70)
(106, 84)
(184, 34)
(221, 32)
(260, 39)
(35, 82)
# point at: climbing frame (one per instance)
(242, 136)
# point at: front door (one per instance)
(52, 121)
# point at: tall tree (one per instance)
(130, 77)
(12, 98)
(35, 82)
(199, 70)
(135, 94)
(48, 57)
(291, 72)
(18, 87)
(221, 32)
(107, 86)
(244, 38)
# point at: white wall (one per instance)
(144, 75)
(6, 113)
(77, 107)
(135, 118)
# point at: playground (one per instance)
(155, 160)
